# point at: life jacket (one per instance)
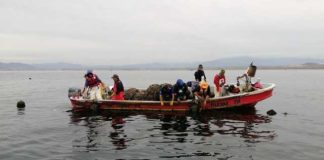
(218, 80)
(93, 81)
(203, 92)
(120, 95)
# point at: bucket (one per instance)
(252, 70)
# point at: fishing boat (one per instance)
(245, 99)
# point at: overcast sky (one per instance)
(141, 31)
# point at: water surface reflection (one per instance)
(170, 135)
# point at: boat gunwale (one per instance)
(270, 87)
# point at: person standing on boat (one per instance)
(202, 93)
(200, 73)
(166, 94)
(248, 84)
(250, 72)
(180, 91)
(92, 86)
(118, 89)
(219, 81)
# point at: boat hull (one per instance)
(249, 99)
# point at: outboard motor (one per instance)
(74, 92)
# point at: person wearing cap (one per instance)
(91, 88)
(180, 91)
(200, 73)
(165, 93)
(118, 89)
(219, 81)
(202, 92)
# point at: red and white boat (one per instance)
(246, 99)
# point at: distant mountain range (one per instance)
(273, 62)
(45, 66)
(16, 66)
(230, 63)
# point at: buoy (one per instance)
(30, 78)
(271, 112)
(21, 104)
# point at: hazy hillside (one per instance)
(15, 66)
(235, 62)
(266, 62)
(61, 66)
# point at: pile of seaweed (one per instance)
(152, 93)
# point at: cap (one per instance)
(203, 84)
(180, 82)
(115, 76)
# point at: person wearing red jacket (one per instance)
(219, 81)
(118, 88)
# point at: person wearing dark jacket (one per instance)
(165, 94)
(180, 91)
(200, 73)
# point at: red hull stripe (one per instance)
(250, 98)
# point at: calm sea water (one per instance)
(45, 130)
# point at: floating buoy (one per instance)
(21, 104)
(30, 78)
(271, 112)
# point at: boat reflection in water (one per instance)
(118, 136)
(242, 124)
(151, 131)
